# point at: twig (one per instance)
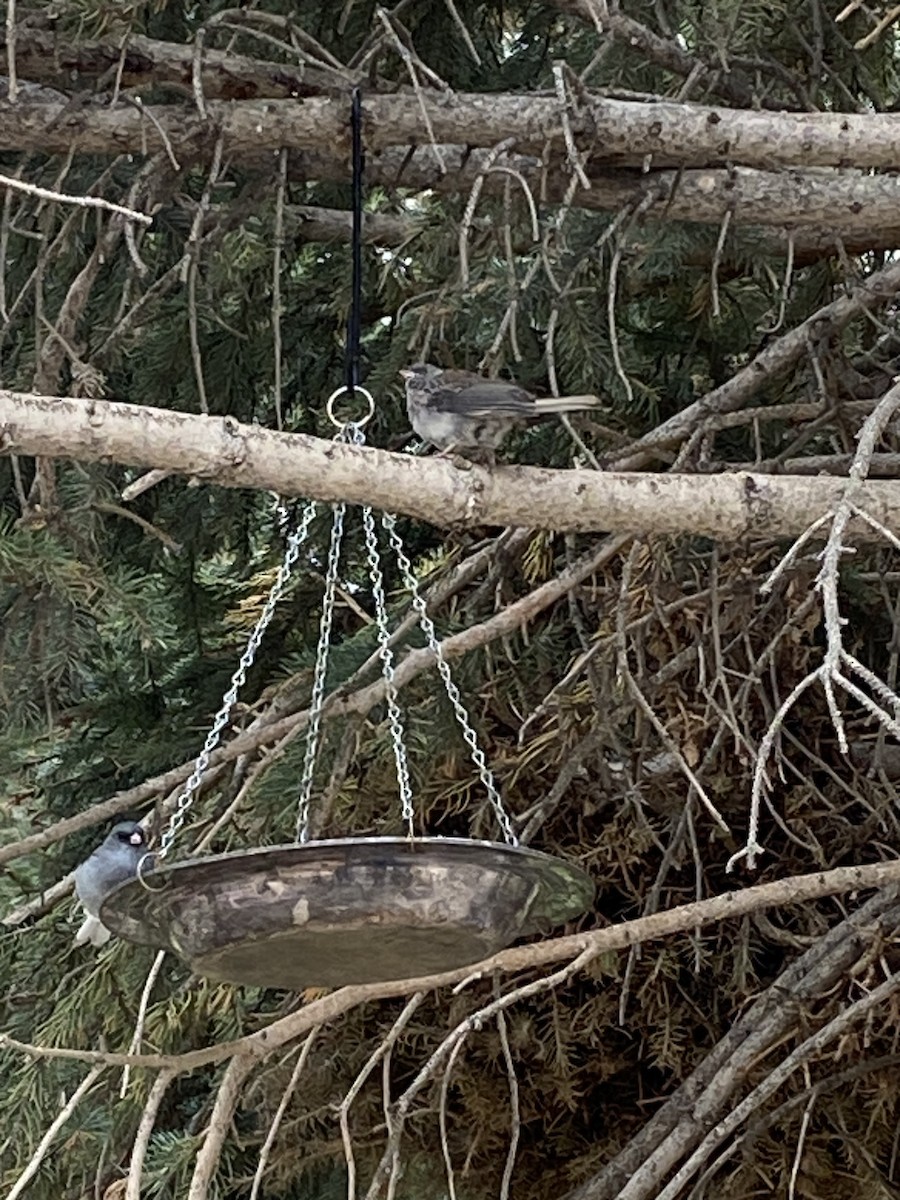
(279, 1113)
(149, 115)
(145, 1132)
(56, 1124)
(32, 189)
(526, 189)
(611, 291)
(880, 26)
(860, 696)
(848, 10)
(827, 582)
(785, 287)
(801, 1142)
(40, 903)
(442, 1118)
(569, 138)
(717, 258)
(613, 328)
(13, 84)
(472, 203)
(192, 263)
(381, 1051)
(197, 73)
(411, 67)
(881, 529)
(143, 484)
(461, 26)
(790, 558)
(138, 1035)
(515, 1116)
(227, 1098)
(5, 226)
(120, 68)
(752, 847)
(511, 273)
(116, 510)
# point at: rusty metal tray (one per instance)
(350, 910)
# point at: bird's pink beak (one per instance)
(137, 838)
(406, 374)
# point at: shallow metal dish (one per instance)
(352, 910)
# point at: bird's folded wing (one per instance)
(485, 400)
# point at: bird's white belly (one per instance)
(441, 429)
(446, 430)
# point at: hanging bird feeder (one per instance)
(351, 910)
(348, 910)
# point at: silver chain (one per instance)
(453, 693)
(317, 699)
(186, 798)
(395, 717)
(351, 432)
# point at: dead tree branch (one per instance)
(222, 451)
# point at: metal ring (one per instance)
(140, 874)
(329, 406)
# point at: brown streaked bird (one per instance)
(459, 412)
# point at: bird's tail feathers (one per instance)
(563, 404)
(94, 931)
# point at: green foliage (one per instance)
(120, 626)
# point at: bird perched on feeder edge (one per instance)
(459, 412)
(113, 862)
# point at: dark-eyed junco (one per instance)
(115, 860)
(467, 414)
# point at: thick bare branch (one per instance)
(44, 57)
(623, 132)
(222, 451)
(824, 205)
(818, 206)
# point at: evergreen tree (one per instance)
(640, 202)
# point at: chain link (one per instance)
(317, 699)
(186, 798)
(352, 432)
(395, 717)
(453, 694)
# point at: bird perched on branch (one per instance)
(467, 414)
(113, 862)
